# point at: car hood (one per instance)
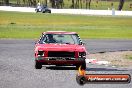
(60, 47)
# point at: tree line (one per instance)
(59, 3)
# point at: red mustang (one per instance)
(60, 48)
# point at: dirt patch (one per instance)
(122, 58)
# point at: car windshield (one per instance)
(60, 38)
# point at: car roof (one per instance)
(58, 32)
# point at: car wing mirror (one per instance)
(82, 43)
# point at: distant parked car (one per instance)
(43, 9)
(60, 48)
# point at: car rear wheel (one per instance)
(49, 11)
(38, 65)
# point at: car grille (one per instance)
(61, 54)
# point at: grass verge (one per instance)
(30, 25)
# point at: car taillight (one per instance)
(82, 54)
(40, 53)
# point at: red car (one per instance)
(60, 48)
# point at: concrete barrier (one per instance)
(70, 11)
(18, 9)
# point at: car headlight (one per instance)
(40, 53)
(82, 54)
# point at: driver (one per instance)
(51, 39)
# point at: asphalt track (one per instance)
(108, 45)
(17, 66)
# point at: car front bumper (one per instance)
(60, 61)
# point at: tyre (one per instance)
(77, 67)
(38, 65)
(83, 66)
(36, 10)
(49, 11)
(43, 11)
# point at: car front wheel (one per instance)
(83, 66)
(36, 10)
(38, 65)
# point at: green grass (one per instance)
(31, 25)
